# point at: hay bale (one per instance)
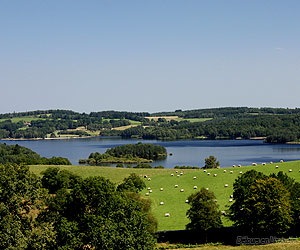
(264, 164)
(226, 185)
(150, 191)
(186, 201)
(281, 161)
(277, 167)
(208, 173)
(194, 177)
(204, 170)
(215, 175)
(176, 186)
(161, 189)
(182, 190)
(167, 215)
(195, 187)
(254, 164)
(206, 189)
(149, 188)
(231, 172)
(290, 170)
(147, 194)
(241, 172)
(230, 200)
(161, 203)
(225, 171)
(172, 174)
(149, 179)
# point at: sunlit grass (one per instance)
(174, 200)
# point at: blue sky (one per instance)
(157, 55)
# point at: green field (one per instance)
(174, 200)
(23, 119)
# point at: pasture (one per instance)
(172, 197)
(177, 118)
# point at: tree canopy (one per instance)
(204, 213)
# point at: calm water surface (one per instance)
(188, 153)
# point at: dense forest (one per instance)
(276, 125)
(22, 155)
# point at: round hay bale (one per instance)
(149, 179)
(161, 203)
(182, 190)
(176, 186)
(147, 194)
(290, 170)
(215, 175)
(226, 185)
(225, 171)
(161, 189)
(150, 191)
(167, 215)
(186, 201)
(194, 177)
(195, 187)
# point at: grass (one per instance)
(174, 200)
(288, 245)
(23, 119)
(177, 118)
(125, 127)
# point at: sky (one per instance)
(155, 55)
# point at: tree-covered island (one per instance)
(128, 154)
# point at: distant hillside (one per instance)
(276, 125)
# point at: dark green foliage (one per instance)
(211, 162)
(204, 212)
(159, 167)
(141, 150)
(20, 198)
(54, 179)
(129, 153)
(186, 167)
(133, 183)
(120, 165)
(294, 190)
(241, 192)
(142, 165)
(22, 155)
(261, 204)
(94, 215)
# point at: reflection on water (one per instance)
(188, 153)
(287, 149)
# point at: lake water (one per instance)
(188, 153)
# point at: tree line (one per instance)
(63, 211)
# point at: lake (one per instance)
(187, 153)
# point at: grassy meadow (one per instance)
(174, 200)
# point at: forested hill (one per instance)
(278, 125)
(229, 112)
(22, 155)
